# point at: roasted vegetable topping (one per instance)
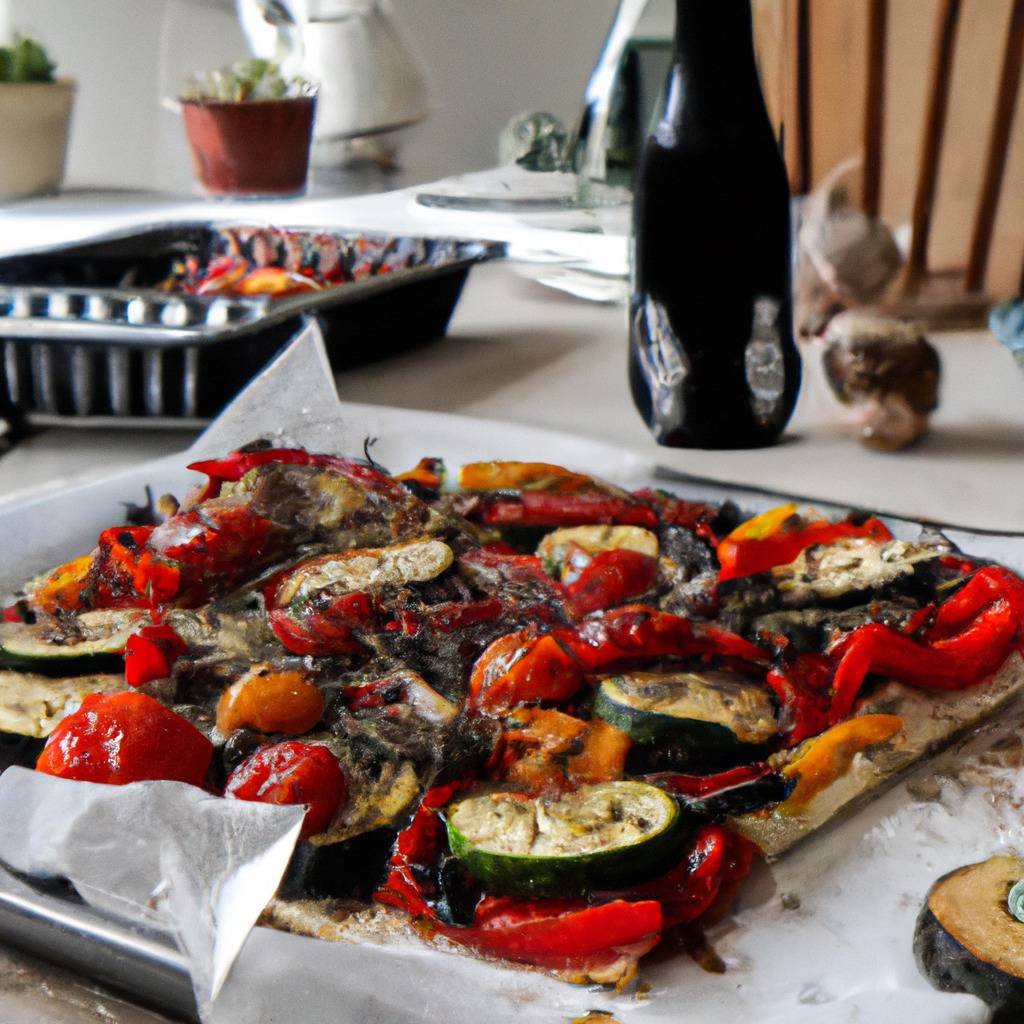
(270, 701)
(553, 692)
(126, 737)
(292, 773)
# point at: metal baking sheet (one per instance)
(51, 924)
(88, 336)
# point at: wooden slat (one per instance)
(931, 148)
(998, 147)
(802, 127)
(874, 106)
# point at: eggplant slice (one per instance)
(966, 939)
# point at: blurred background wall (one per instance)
(488, 60)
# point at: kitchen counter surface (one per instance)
(519, 352)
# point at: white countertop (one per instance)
(519, 352)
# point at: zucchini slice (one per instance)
(704, 715)
(597, 836)
(94, 643)
(967, 940)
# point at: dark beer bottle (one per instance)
(712, 359)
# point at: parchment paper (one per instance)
(844, 956)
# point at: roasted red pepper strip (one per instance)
(523, 667)
(561, 934)
(698, 787)
(762, 543)
(541, 508)
(688, 890)
(232, 468)
(639, 631)
(799, 684)
(676, 512)
(610, 579)
(965, 644)
(557, 934)
(318, 628)
(150, 653)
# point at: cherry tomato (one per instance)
(118, 738)
(292, 773)
(271, 701)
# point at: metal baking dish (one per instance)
(88, 337)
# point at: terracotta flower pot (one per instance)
(253, 147)
(34, 121)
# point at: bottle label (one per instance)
(663, 360)
(765, 363)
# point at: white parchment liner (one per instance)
(207, 866)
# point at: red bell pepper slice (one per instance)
(610, 578)
(777, 537)
(332, 629)
(639, 631)
(523, 667)
(967, 642)
(800, 685)
(699, 787)
(150, 653)
(561, 934)
(542, 508)
(117, 738)
(235, 466)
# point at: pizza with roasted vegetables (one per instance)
(530, 714)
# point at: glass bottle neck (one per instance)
(714, 71)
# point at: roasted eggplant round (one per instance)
(967, 940)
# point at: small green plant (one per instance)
(25, 61)
(246, 80)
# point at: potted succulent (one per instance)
(35, 115)
(250, 129)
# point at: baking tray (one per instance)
(48, 921)
(87, 336)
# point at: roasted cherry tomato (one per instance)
(126, 737)
(270, 701)
(292, 773)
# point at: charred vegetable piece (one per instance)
(707, 716)
(522, 476)
(557, 548)
(292, 773)
(150, 653)
(596, 836)
(33, 704)
(93, 642)
(776, 537)
(826, 573)
(270, 702)
(967, 940)
(126, 737)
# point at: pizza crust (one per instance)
(932, 720)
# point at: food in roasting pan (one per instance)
(534, 715)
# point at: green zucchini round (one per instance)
(95, 646)
(705, 716)
(966, 939)
(596, 837)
